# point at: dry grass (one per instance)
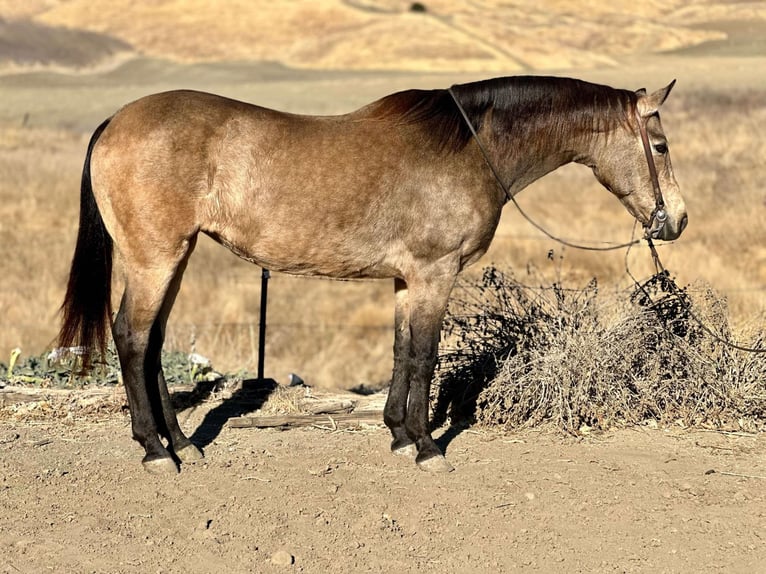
(521, 356)
(39, 174)
(339, 334)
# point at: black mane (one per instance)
(527, 107)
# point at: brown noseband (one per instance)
(659, 215)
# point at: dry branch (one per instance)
(521, 356)
(365, 417)
(328, 407)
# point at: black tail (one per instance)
(87, 308)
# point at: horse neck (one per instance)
(522, 157)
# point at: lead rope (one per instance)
(658, 214)
(512, 199)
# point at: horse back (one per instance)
(323, 195)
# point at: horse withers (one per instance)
(409, 188)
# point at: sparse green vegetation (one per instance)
(62, 369)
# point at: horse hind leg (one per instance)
(138, 338)
(178, 442)
(162, 407)
(131, 337)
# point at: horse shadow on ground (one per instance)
(249, 397)
(455, 403)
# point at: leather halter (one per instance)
(659, 215)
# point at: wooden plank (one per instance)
(367, 417)
(13, 394)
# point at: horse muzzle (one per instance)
(664, 227)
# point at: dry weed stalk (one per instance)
(520, 356)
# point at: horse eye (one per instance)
(661, 149)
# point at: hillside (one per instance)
(486, 36)
(26, 44)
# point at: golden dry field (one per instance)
(331, 57)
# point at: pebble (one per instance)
(282, 558)
(8, 437)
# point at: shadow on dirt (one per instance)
(488, 321)
(456, 402)
(248, 398)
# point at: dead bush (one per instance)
(517, 356)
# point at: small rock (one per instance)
(530, 496)
(295, 381)
(282, 558)
(8, 437)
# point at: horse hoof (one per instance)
(408, 450)
(189, 453)
(436, 464)
(160, 466)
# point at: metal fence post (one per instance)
(262, 324)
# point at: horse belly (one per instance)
(299, 246)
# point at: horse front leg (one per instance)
(396, 403)
(428, 303)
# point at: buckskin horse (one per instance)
(409, 187)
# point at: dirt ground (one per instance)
(74, 498)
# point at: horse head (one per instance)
(633, 162)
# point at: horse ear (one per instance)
(650, 105)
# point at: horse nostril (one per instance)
(682, 225)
